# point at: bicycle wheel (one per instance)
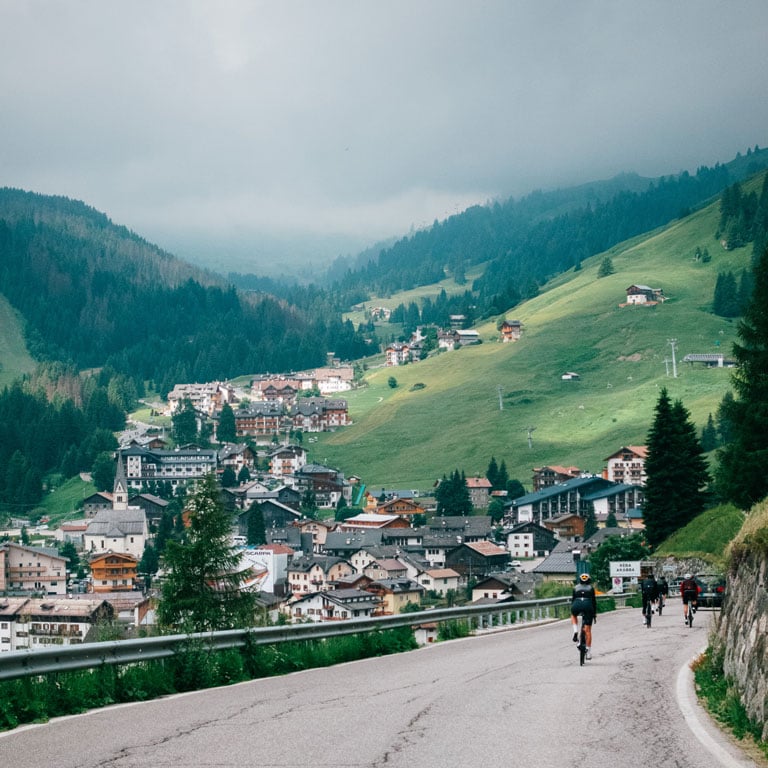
(661, 605)
(582, 647)
(690, 617)
(648, 612)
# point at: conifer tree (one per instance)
(202, 589)
(257, 532)
(742, 474)
(225, 431)
(676, 471)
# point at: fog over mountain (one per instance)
(261, 135)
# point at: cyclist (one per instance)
(663, 590)
(584, 602)
(689, 591)
(649, 589)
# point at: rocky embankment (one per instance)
(742, 632)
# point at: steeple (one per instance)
(120, 490)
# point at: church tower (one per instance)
(120, 490)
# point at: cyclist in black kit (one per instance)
(584, 602)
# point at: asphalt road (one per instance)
(512, 698)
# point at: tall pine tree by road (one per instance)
(676, 471)
(202, 590)
(742, 474)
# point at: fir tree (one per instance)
(676, 471)
(742, 474)
(709, 435)
(202, 591)
(226, 432)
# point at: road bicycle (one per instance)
(648, 612)
(689, 617)
(582, 646)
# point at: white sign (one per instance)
(625, 568)
(618, 585)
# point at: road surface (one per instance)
(511, 698)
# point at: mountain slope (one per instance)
(410, 438)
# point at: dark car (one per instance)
(711, 590)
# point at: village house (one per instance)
(263, 419)
(113, 572)
(627, 465)
(205, 398)
(643, 294)
(287, 460)
(153, 506)
(327, 485)
(315, 573)
(439, 580)
(385, 568)
(466, 337)
(317, 530)
(236, 456)
(544, 477)
(479, 491)
(567, 527)
(406, 508)
(499, 586)
(529, 540)
(397, 354)
(29, 625)
(395, 594)
(179, 466)
(319, 414)
(475, 559)
(274, 514)
(96, 502)
(511, 330)
(373, 520)
(32, 570)
(336, 605)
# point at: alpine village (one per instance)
(486, 408)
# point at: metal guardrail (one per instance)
(18, 664)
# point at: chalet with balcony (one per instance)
(113, 572)
(30, 624)
(178, 467)
(511, 330)
(544, 477)
(32, 570)
(315, 573)
(627, 465)
(334, 605)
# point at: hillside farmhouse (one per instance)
(643, 294)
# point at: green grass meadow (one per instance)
(408, 439)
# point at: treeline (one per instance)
(92, 294)
(42, 435)
(524, 243)
(744, 218)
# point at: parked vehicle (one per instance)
(711, 589)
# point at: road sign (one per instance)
(618, 585)
(624, 568)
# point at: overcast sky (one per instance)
(328, 122)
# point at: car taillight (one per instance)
(719, 589)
